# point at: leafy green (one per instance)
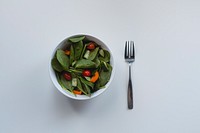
(101, 52)
(87, 78)
(66, 83)
(97, 85)
(75, 71)
(78, 47)
(73, 63)
(73, 74)
(77, 39)
(93, 54)
(62, 59)
(83, 63)
(83, 51)
(97, 62)
(105, 76)
(87, 82)
(59, 80)
(105, 66)
(80, 86)
(71, 58)
(87, 89)
(106, 57)
(56, 65)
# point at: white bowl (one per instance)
(63, 44)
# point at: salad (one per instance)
(83, 67)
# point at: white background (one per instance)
(166, 72)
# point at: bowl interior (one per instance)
(63, 45)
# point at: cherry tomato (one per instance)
(67, 76)
(86, 73)
(91, 46)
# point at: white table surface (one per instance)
(166, 73)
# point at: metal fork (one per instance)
(129, 56)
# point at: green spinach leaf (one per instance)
(78, 48)
(83, 63)
(97, 62)
(66, 83)
(105, 76)
(101, 52)
(76, 71)
(97, 85)
(93, 54)
(87, 89)
(83, 51)
(59, 80)
(87, 82)
(71, 57)
(62, 59)
(56, 65)
(106, 57)
(80, 86)
(77, 39)
(105, 66)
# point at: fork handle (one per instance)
(130, 91)
(130, 95)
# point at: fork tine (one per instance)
(125, 51)
(128, 49)
(132, 50)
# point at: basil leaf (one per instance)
(56, 65)
(93, 54)
(106, 57)
(77, 39)
(62, 59)
(78, 48)
(83, 63)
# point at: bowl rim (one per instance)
(68, 93)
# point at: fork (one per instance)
(129, 56)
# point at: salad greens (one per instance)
(83, 67)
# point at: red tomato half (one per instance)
(91, 46)
(67, 76)
(86, 73)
